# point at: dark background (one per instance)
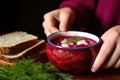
(25, 15)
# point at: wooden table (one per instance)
(111, 74)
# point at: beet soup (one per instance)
(72, 52)
(73, 41)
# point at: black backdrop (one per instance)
(25, 15)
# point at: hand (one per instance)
(58, 20)
(109, 54)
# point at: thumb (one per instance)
(66, 21)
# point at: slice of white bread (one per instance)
(14, 42)
(36, 52)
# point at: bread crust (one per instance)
(37, 51)
(3, 50)
(15, 48)
(4, 63)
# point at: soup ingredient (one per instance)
(30, 70)
(73, 41)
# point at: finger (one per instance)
(49, 20)
(105, 51)
(114, 58)
(66, 21)
(118, 64)
(48, 30)
(50, 23)
(45, 29)
(64, 18)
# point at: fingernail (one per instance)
(62, 30)
(116, 66)
(93, 69)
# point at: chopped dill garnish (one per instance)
(72, 40)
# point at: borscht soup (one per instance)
(73, 41)
(72, 51)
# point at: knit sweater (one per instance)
(94, 16)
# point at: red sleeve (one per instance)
(83, 10)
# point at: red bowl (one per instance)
(73, 60)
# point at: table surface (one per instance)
(111, 74)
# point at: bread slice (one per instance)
(2, 62)
(15, 42)
(36, 52)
